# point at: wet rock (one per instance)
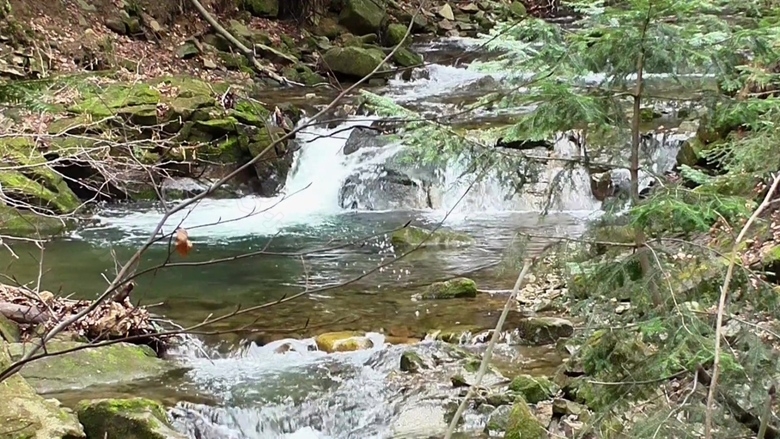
(412, 236)
(544, 330)
(412, 362)
(451, 289)
(498, 420)
(532, 389)
(407, 58)
(364, 137)
(380, 188)
(134, 418)
(121, 362)
(344, 341)
(262, 8)
(25, 414)
(522, 424)
(356, 62)
(362, 16)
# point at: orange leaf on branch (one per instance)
(183, 243)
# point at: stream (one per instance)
(242, 384)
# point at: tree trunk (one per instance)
(639, 239)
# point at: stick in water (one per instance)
(489, 351)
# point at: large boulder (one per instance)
(25, 414)
(379, 188)
(352, 61)
(134, 418)
(120, 362)
(363, 16)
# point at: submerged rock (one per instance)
(532, 389)
(344, 341)
(121, 362)
(135, 418)
(412, 236)
(25, 414)
(544, 330)
(451, 289)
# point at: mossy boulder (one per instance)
(362, 16)
(411, 236)
(352, 61)
(395, 33)
(262, 8)
(103, 103)
(544, 330)
(25, 414)
(133, 418)
(407, 58)
(344, 341)
(532, 389)
(451, 289)
(9, 330)
(121, 362)
(35, 183)
(522, 424)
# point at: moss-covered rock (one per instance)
(407, 58)
(522, 424)
(395, 33)
(362, 16)
(262, 8)
(451, 289)
(411, 362)
(9, 330)
(352, 61)
(35, 183)
(133, 418)
(344, 341)
(25, 414)
(532, 389)
(544, 330)
(121, 362)
(412, 236)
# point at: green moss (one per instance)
(134, 418)
(523, 424)
(451, 289)
(104, 103)
(532, 389)
(35, 184)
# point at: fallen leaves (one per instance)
(182, 242)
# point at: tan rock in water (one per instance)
(343, 341)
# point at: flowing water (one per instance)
(268, 380)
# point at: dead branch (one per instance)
(722, 303)
(247, 52)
